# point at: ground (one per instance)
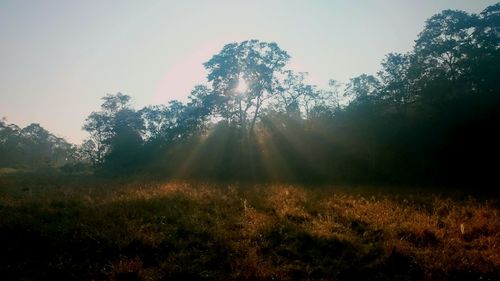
(84, 228)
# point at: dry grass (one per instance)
(131, 230)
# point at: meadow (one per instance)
(180, 140)
(79, 227)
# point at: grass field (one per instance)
(80, 228)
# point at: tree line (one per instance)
(33, 146)
(429, 115)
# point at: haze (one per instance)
(59, 57)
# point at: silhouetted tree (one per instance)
(427, 117)
(32, 147)
(106, 126)
(395, 83)
(362, 88)
(252, 62)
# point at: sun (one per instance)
(242, 86)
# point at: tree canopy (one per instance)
(428, 115)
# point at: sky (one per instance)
(58, 58)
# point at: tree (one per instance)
(32, 147)
(487, 32)
(98, 126)
(36, 145)
(115, 103)
(253, 63)
(394, 79)
(332, 95)
(362, 88)
(125, 142)
(155, 119)
(441, 48)
(484, 57)
(114, 119)
(87, 152)
(293, 95)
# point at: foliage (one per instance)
(254, 62)
(33, 147)
(428, 116)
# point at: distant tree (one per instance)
(327, 102)
(36, 145)
(98, 126)
(156, 119)
(126, 141)
(115, 120)
(362, 88)
(395, 80)
(202, 104)
(186, 120)
(294, 96)
(32, 147)
(115, 103)
(10, 144)
(204, 99)
(332, 95)
(87, 152)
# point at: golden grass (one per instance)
(179, 230)
(432, 233)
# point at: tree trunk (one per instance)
(257, 107)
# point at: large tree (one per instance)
(441, 52)
(253, 63)
(484, 57)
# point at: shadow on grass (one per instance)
(77, 242)
(175, 234)
(298, 255)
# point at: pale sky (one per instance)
(58, 58)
